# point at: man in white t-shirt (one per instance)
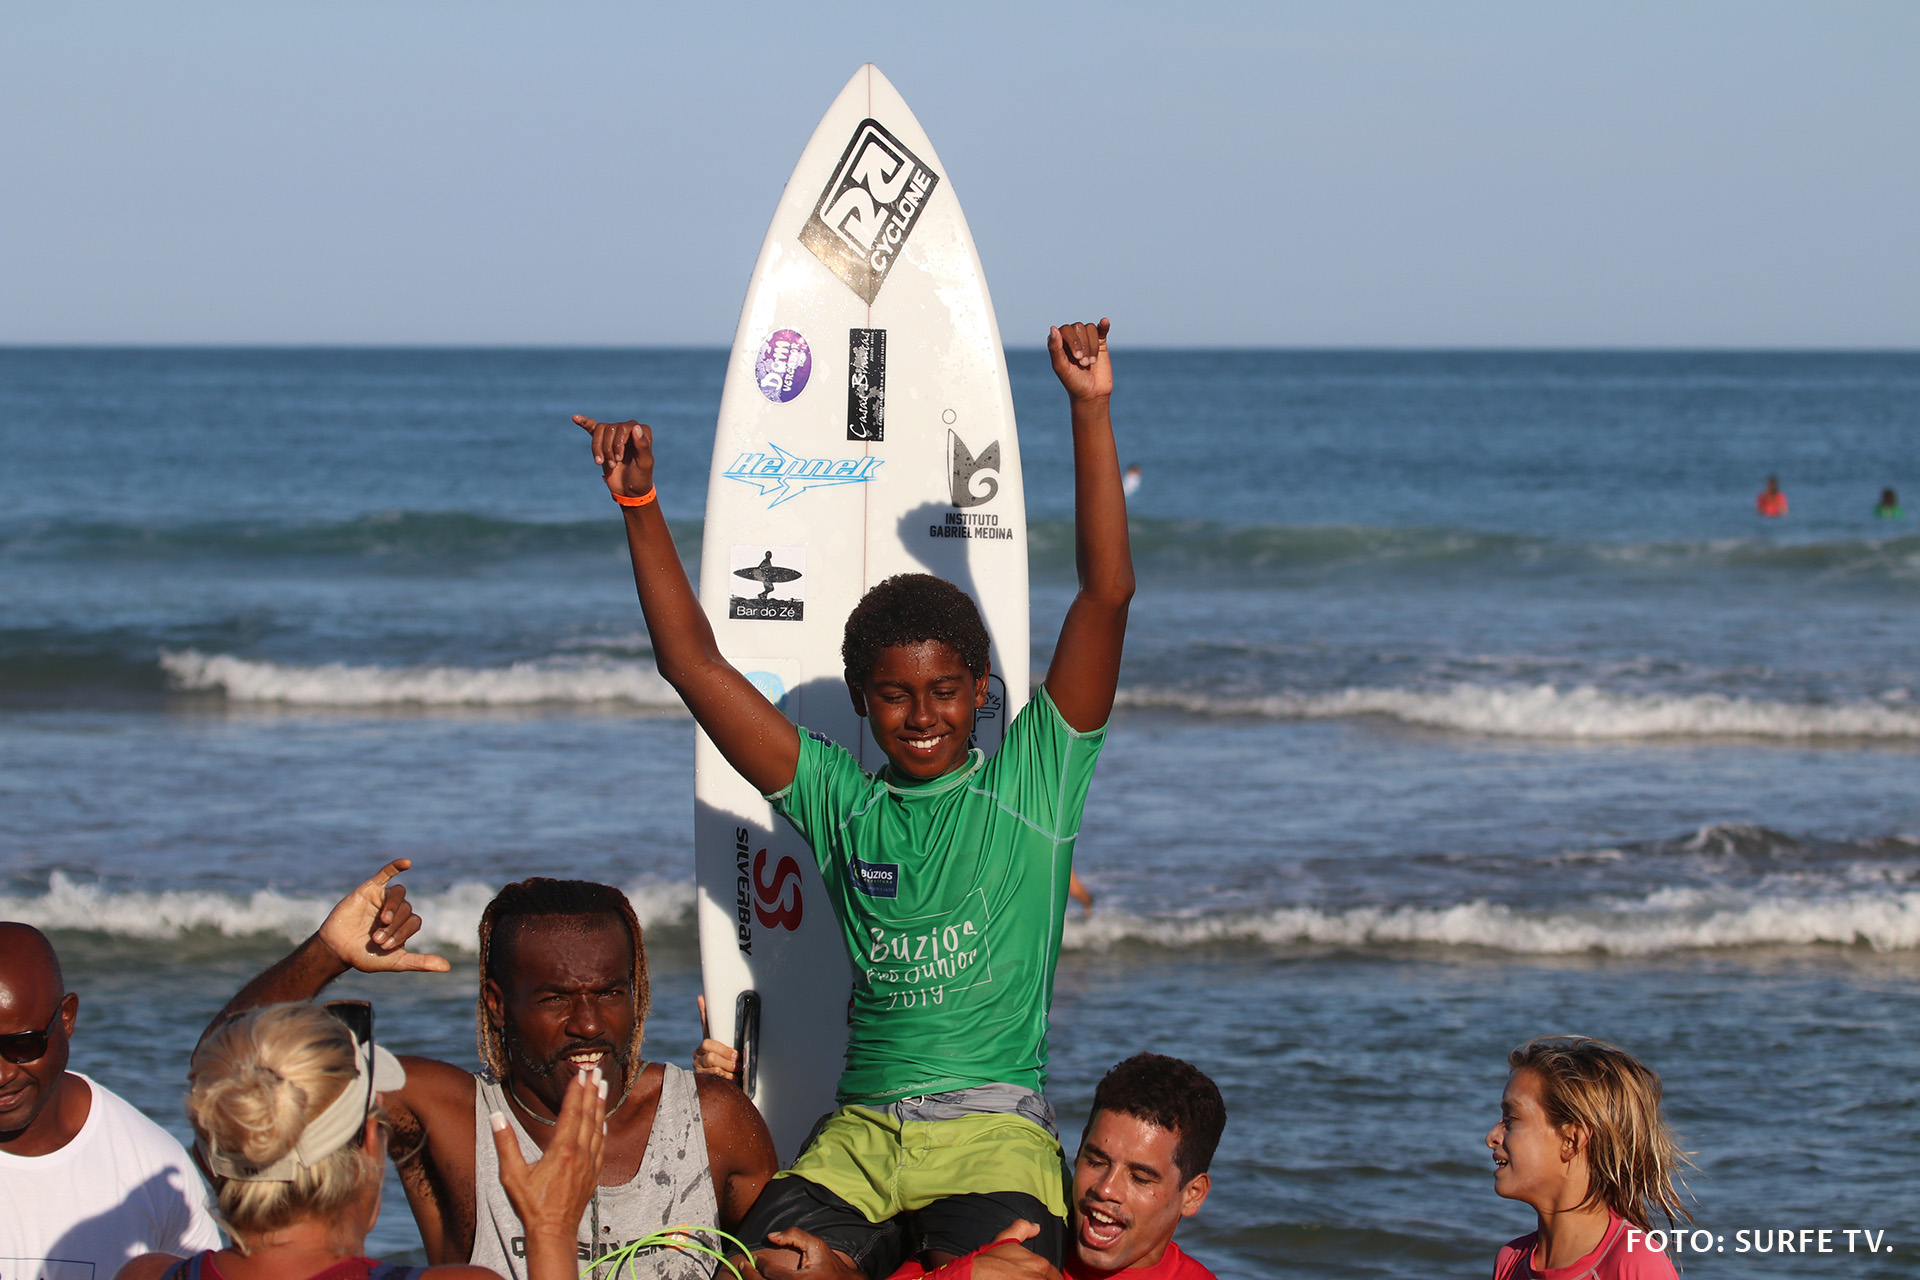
(86, 1181)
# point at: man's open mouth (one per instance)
(1100, 1230)
(585, 1057)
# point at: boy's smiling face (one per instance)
(919, 700)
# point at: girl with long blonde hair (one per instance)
(1581, 1140)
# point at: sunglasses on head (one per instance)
(357, 1017)
(28, 1046)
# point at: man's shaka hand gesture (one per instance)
(369, 928)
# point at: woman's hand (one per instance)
(552, 1193)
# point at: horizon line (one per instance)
(1176, 347)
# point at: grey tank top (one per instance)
(673, 1187)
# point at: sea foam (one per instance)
(1880, 921)
(1544, 711)
(337, 684)
(450, 920)
(1664, 921)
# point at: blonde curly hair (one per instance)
(256, 1083)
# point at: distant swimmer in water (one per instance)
(1078, 891)
(1130, 482)
(1889, 506)
(1771, 503)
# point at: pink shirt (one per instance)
(1616, 1257)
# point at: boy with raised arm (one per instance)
(942, 1137)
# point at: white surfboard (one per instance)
(866, 429)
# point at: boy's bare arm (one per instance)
(750, 731)
(1086, 662)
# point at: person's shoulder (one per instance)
(461, 1272)
(431, 1075)
(721, 1101)
(821, 755)
(1185, 1265)
(1633, 1260)
(434, 1091)
(733, 1125)
(148, 1266)
(116, 1120)
(1042, 711)
(1512, 1260)
(828, 754)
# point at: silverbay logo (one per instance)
(871, 203)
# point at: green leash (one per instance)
(681, 1238)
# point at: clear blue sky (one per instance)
(1448, 174)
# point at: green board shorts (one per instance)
(884, 1167)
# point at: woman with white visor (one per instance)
(288, 1128)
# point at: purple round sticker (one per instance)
(783, 366)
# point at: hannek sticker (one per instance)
(779, 572)
(782, 368)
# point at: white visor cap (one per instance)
(343, 1120)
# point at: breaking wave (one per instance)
(1664, 921)
(1544, 711)
(336, 684)
(450, 920)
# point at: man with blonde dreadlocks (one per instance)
(563, 992)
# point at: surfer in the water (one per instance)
(948, 871)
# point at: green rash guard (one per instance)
(950, 893)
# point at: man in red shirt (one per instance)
(1141, 1169)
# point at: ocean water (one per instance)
(1466, 700)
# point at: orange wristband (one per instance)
(640, 501)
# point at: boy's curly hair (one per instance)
(907, 609)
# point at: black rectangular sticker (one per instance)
(866, 384)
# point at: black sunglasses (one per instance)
(357, 1017)
(28, 1046)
